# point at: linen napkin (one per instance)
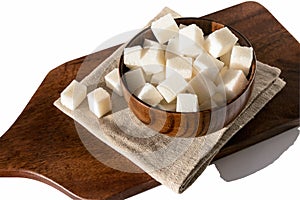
(174, 162)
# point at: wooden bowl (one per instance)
(193, 124)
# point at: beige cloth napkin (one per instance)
(174, 162)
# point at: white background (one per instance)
(36, 36)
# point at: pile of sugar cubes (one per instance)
(182, 71)
(185, 71)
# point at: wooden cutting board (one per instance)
(43, 143)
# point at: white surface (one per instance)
(37, 36)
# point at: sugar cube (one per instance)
(220, 42)
(219, 79)
(158, 78)
(150, 95)
(172, 86)
(241, 58)
(164, 28)
(73, 95)
(132, 57)
(172, 48)
(99, 102)
(181, 65)
(187, 103)
(204, 88)
(153, 44)
(112, 80)
(191, 40)
(153, 60)
(207, 66)
(135, 79)
(234, 82)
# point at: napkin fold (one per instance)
(174, 162)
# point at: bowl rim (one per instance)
(250, 81)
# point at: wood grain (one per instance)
(43, 143)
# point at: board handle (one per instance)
(38, 140)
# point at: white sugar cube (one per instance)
(241, 58)
(181, 65)
(153, 60)
(204, 88)
(220, 76)
(152, 69)
(193, 32)
(226, 58)
(172, 48)
(172, 86)
(207, 66)
(191, 40)
(234, 82)
(150, 43)
(158, 78)
(167, 106)
(153, 44)
(220, 42)
(219, 63)
(73, 95)
(187, 103)
(99, 102)
(135, 79)
(150, 95)
(132, 57)
(112, 80)
(164, 28)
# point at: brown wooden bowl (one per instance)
(193, 124)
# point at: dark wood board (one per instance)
(43, 143)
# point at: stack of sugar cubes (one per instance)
(182, 71)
